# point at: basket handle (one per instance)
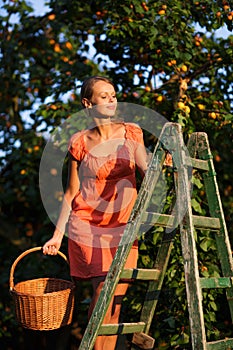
(11, 281)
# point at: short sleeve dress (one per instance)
(102, 206)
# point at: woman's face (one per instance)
(104, 98)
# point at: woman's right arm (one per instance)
(52, 246)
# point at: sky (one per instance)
(39, 6)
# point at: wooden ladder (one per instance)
(197, 156)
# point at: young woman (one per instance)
(100, 195)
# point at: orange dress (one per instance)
(102, 206)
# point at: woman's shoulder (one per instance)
(133, 131)
(77, 137)
(77, 145)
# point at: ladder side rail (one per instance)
(169, 141)
(129, 236)
(189, 252)
(216, 210)
(164, 251)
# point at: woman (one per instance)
(100, 195)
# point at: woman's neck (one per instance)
(104, 128)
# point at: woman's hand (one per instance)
(52, 246)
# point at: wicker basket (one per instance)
(42, 303)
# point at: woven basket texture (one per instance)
(44, 303)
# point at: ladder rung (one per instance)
(122, 328)
(218, 282)
(141, 274)
(200, 164)
(224, 344)
(163, 220)
(206, 222)
(157, 219)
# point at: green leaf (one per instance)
(143, 246)
(146, 260)
(196, 206)
(197, 182)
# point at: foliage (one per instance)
(161, 54)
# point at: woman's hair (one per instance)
(88, 84)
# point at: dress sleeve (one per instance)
(76, 146)
(134, 133)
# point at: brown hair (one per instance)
(88, 84)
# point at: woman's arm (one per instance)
(52, 246)
(141, 157)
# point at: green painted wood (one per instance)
(224, 344)
(200, 164)
(166, 220)
(188, 244)
(164, 251)
(198, 146)
(141, 274)
(121, 328)
(205, 222)
(216, 210)
(218, 282)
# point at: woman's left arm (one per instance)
(141, 158)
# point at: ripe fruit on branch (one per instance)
(212, 115)
(147, 88)
(186, 109)
(226, 7)
(180, 105)
(68, 45)
(57, 48)
(184, 68)
(200, 106)
(65, 59)
(171, 63)
(135, 94)
(52, 17)
(159, 98)
(144, 6)
(161, 12)
(218, 103)
(198, 40)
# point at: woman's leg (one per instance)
(112, 314)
